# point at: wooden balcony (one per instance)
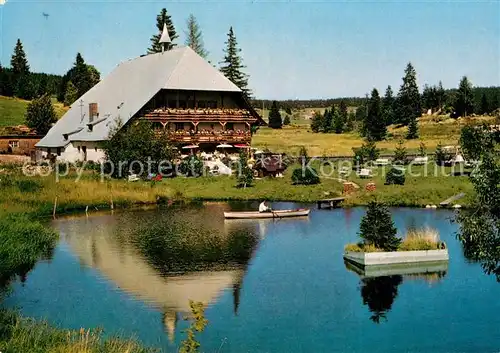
(199, 115)
(241, 138)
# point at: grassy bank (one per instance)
(36, 195)
(20, 335)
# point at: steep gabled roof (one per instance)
(122, 93)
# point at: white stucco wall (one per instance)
(72, 154)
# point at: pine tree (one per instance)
(275, 121)
(317, 122)
(400, 156)
(24, 87)
(194, 37)
(40, 114)
(408, 101)
(18, 62)
(440, 96)
(412, 129)
(338, 120)
(156, 46)
(374, 125)
(464, 102)
(343, 114)
(232, 65)
(377, 228)
(349, 125)
(286, 121)
(81, 79)
(71, 94)
(485, 105)
(328, 119)
(388, 106)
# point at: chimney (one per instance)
(93, 112)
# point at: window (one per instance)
(14, 144)
(212, 104)
(179, 126)
(182, 104)
(202, 104)
(230, 126)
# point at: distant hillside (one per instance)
(492, 94)
(12, 110)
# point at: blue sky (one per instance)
(292, 49)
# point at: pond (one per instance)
(270, 285)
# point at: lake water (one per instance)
(270, 285)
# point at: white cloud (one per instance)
(2, 2)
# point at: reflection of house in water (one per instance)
(102, 242)
(379, 284)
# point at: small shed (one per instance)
(269, 164)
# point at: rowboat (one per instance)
(302, 212)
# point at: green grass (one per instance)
(13, 110)
(20, 335)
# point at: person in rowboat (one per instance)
(264, 208)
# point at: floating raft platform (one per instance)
(330, 203)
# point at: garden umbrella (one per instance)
(224, 145)
(241, 146)
(190, 147)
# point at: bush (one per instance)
(305, 176)
(366, 153)
(395, 176)
(377, 228)
(245, 174)
(27, 185)
(191, 166)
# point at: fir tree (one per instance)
(275, 121)
(400, 156)
(24, 87)
(161, 19)
(377, 228)
(340, 119)
(194, 37)
(328, 119)
(374, 125)
(18, 62)
(464, 101)
(349, 125)
(440, 96)
(40, 114)
(317, 122)
(71, 94)
(485, 105)
(412, 129)
(388, 106)
(286, 121)
(408, 101)
(83, 77)
(232, 66)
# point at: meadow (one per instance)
(432, 129)
(13, 110)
